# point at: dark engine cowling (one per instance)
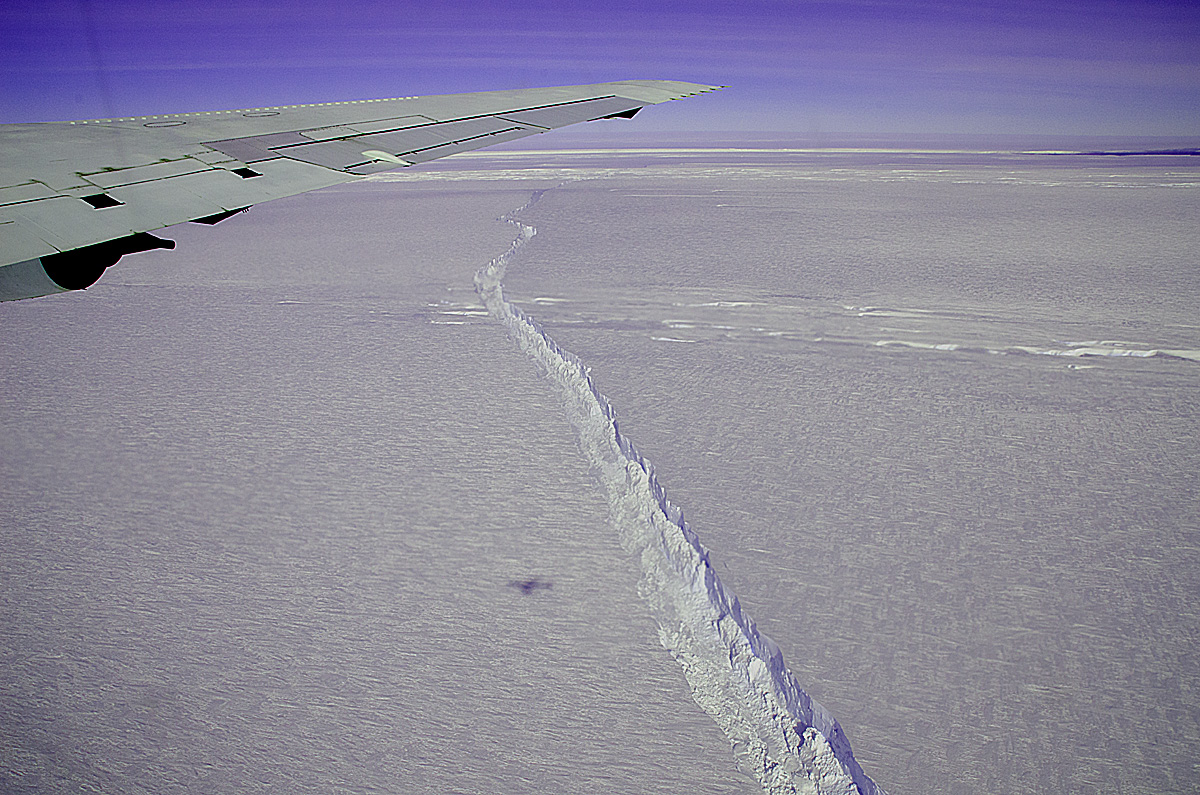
(77, 269)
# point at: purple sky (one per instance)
(1099, 67)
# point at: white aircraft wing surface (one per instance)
(77, 196)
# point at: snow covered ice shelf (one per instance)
(266, 495)
(261, 537)
(982, 561)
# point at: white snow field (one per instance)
(931, 416)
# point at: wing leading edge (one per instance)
(77, 196)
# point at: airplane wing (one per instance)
(77, 196)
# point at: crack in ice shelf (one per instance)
(787, 741)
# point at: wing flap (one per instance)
(346, 154)
(572, 112)
(330, 133)
(30, 191)
(391, 125)
(254, 148)
(208, 193)
(341, 148)
(66, 222)
(19, 242)
(414, 139)
(454, 147)
(156, 171)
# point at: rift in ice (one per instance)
(778, 733)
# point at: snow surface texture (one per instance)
(737, 675)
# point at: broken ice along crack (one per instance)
(783, 738)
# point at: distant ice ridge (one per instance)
(737, 674)
(1075, 349)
